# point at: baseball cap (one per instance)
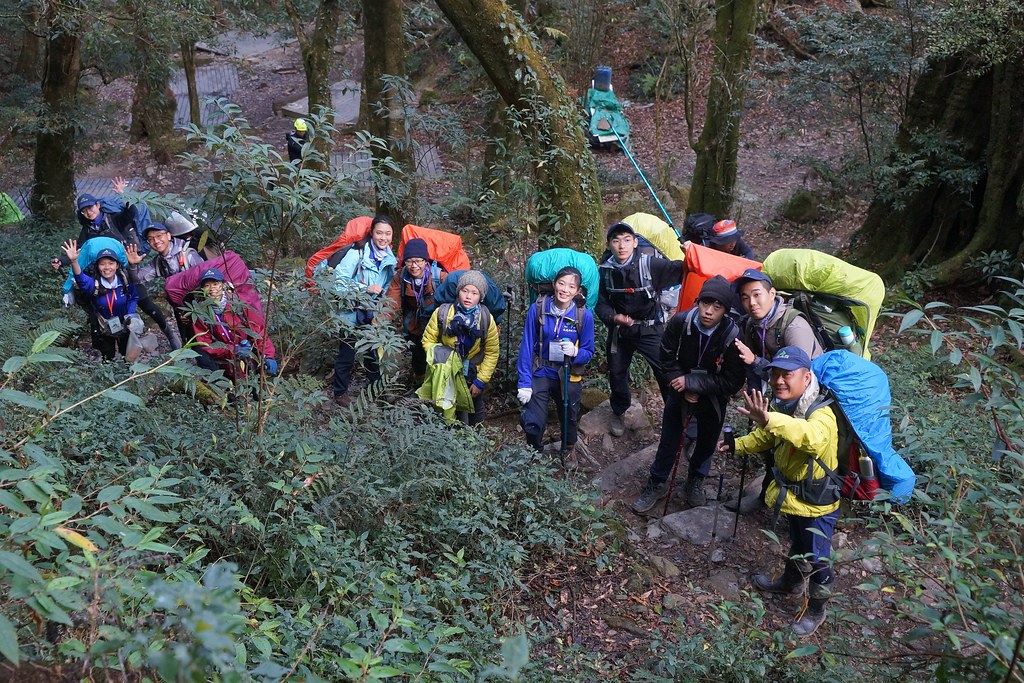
(790, 358)
(154, 226)
(618, 228)
(107, 253)
(212, 274)
(85, 200)
(751, 275)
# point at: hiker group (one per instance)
(790, 335)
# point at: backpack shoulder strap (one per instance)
(785, 321)
(542, 306)
(442, 316)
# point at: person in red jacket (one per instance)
(235, 334)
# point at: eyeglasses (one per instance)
(154, 236)
(416, 263)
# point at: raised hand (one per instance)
(755, 406)
(134, 257)
(119, 184)
(71, 249)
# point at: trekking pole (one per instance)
(622, 144)
(714, 522)
(729, 436)
(564, 450)
(675, 465)
(510, 298)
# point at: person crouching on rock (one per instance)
(703, 369)
(558, 337)
(801, 428)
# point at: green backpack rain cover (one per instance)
(544, 265)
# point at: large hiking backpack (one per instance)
(543, 266)
(356, 233)
(658, 235)
(444, 247)
(829, 293)
(448, 291)
(698, 227)
(702, 264)
(858, 392)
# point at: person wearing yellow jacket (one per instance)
(800, 427)
(467, 329)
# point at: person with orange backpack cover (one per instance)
(412, 291)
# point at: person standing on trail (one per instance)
(462, 345)
(703, 369)
(800, 428)
(629, 305)
(371, 269)
(412, 291)
(558, 337)
(297, 138)
(725, 236)
(769, 324)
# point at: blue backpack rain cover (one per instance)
(862, 390)
(448, 291)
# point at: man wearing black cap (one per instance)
(629, 305)
(703, 369)
(800, 428)
(412, 290)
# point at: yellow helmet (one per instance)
(301, 126)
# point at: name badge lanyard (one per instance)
(111, 298)
(703, 343)
(223, 328)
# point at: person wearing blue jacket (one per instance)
(370, 269)
(559, 329)
(113, 298)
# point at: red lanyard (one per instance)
(111, 299)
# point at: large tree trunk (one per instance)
(569, 199)
(188, 64)
(384, 55)
(941, 222)
(53, 188)
(28, 56)
(714, 175)
(153, 103)
(317, 50)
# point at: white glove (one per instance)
(524, 395)
(568, 349)
(135, 324)
(69, 300)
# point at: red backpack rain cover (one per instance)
(443, 247)
(355, 230)
(702, 264)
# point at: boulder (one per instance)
(592, 398)
(664, 566)
(726, 583)
(695, 525)
(803, 207)
(626, 473)
(596, 422)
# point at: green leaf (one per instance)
(22, 399)
(109, 494)
(936, 340)
(12, 502)
(802, 651)
(8, 640)
(14, 363)
(126, 396)
(150, 512)
(18, 565)
(911, 319)
(48, 358)
(44, 340)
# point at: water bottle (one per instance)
(849, 339)
(867, 468)
(729, 437)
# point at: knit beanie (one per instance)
(416, 248)
(716, 288)
(475, 278)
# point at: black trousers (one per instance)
(709, 415)
(344, 361)
(621, 346)
(534, 419)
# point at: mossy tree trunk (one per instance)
(153, 103)
(569, 199)
(188, 64)
(28, 56)
(387, 101)
(941, 220)
(714, 174)
(317, 50)
(53, 188)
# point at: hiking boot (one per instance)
(791, 582)
(618, 425)
(650, 496)
(173, 338)
(694, 491)
(814, 614)
(343, 400)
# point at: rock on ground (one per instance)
(620, 475)
(726, 583)
(664, 566)
(695, 525)
(597, 421)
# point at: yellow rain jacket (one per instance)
(484, 354)
(795, 440)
